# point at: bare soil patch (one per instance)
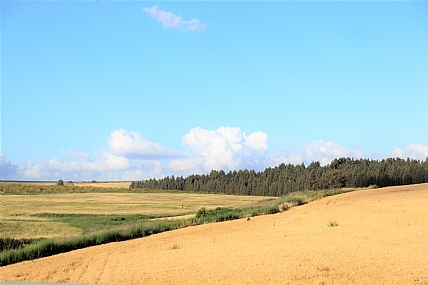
(380, 238)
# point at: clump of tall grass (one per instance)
(265, 210)
(7, 243)
(218, 214)
(50, 247)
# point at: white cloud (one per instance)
(321, 151)
(132, 144)
(170, 20)
(78, 169)
(187, 166)
(145, 170)
(81, 156)
(7, 169)
(110, 162)
(416, 151)
(128, 153)
(257, 141)
(129, 156)
(225, 148)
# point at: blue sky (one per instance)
(98, 90)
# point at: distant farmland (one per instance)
(22, 218)
(375, 236)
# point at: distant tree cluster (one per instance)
(287, 178)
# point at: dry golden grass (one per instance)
(174, 218)
(112, 184)
(119, 184)
(381, 238)
(37, 229)
(17, 221)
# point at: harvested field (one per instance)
(103, 184)
(17, 220)
(365, 237)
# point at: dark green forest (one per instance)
(288, 178)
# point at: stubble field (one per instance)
(364, 237)
(20, 214)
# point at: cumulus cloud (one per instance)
(170, 20)
(129, 156)
(414, 150)
(186, 166)
(132, 144)
(321, 151)
(82, 168)
(225, 148)
(7, 169)
(81, 156)
(128, 152)
(145, 170)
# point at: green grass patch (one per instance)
(218, 214)
(34, 228)
(94, 223)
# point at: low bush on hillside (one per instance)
(7, 243)
(218, 214)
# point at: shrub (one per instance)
(202, 212)
(9, 243)
(296, 201)
(218, 214)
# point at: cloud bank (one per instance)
(129, 156)
(416, 151)
(321, 151)
(133, 145)
(224, 148)
(170, 20)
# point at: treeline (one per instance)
(288, 178)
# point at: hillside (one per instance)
(364, 237)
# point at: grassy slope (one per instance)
(86, 219)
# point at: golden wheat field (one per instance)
(377, 236)
(17, 212)
(103, 184)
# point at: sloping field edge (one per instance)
(56, 246)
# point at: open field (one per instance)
(364, 237)
(119, 184)
(45, 183)
(18, 218)
(109, 184)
